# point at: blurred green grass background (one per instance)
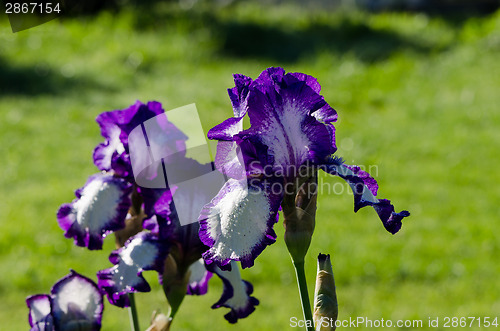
(417, 97)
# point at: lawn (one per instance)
(417, 97)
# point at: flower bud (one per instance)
(325, 298)
(299, 211)
(160, 322)
(175, 280)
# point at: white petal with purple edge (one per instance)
(138, 253)
(103, 154)
(39, 308)
(198, 278)
(92, 209)
(77, 301)
(237, 224)
(101, 207)
(142, 252)
(236, 295)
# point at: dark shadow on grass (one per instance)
(249, 40)
(284, 43)
(40, 79)
(457, 18)
(454, 13)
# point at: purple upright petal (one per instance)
(198, 278)
(228, 158)
(77, 303)
(236, 293)
(365, 188)
(116, 127)
(282, 115)
(141, 252)
(151, 196)
(184, 237)
(290, 124)
(111, 153)
(238, 223)
(324, 113)
(238, 95)
(100, 208)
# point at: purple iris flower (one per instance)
(112, 197)
(290, 133)
(164, 238)
(75, 303)
(102, 205)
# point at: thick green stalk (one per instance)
(132, 312)
(175, 282)
(304, 295)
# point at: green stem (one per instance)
(304, 295)
(132, 313)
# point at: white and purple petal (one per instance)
(228, 158)
(365, 189)
(111, 152)
(198, 278)
(100, 208)
(77, 303)
(115, 126)
(142, 252)
(236, 294)
(40, 317)
(238, 223)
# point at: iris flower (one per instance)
(75, 303)
(291, 132)
(101, 206)
(166, 239)
(111, 201)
